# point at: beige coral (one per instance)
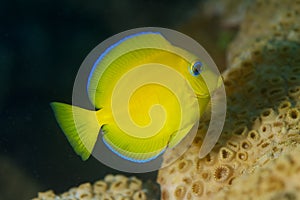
(277, 180)
(262, 122)
(112, 187)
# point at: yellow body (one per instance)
(145, 96)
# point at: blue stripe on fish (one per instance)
(131, 159)
(109, 49)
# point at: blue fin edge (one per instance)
(131, 159)
(112, 47)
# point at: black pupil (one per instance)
(195, 70)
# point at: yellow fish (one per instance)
(147, 94)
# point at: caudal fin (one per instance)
(80, 126)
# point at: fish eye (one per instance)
(196, 68)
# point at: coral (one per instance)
(279, 179)
(231, 12)
(112, 187)
(263, 94)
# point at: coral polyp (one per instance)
(222, 173)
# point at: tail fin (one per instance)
(80, 126)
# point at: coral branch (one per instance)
(112, 187)
(262, 123)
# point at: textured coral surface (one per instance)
(279, 179)
(112, 187)
(263, 94)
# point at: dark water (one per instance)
(42, 44)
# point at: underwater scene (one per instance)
(150, 100)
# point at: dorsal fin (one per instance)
(129, 43)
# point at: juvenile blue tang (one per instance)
(147, 94)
